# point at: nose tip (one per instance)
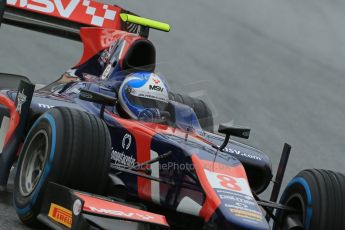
(238, 216)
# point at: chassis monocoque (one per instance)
(83, 165)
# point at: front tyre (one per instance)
(66, 146)
(319, 198)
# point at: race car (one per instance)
(109, 146)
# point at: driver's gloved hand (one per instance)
(149, 115)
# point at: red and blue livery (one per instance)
(83, 164)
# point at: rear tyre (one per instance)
(66, 146)
(202, 111)
(319, 197)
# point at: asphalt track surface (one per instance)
(275, 66)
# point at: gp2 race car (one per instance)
(82, 165)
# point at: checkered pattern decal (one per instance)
(98, 20)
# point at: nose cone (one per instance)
(238, 211)
(229, 201)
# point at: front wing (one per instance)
(64, 208)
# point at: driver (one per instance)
(143, 96)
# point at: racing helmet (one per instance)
(143, 96)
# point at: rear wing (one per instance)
(64, 18)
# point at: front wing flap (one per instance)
(63, 208)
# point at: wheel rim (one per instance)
(296, 201)
(33, 163)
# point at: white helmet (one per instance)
(143, 95)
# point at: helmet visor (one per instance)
(145, 99)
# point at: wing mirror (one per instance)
(241, 132)
(99, 98)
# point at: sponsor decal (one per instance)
(236, 199)
(126, 141)
(122, 159)
(121, 213)
(156, 81)
(106, 54)
(149, 95)
(104, 57)
(246, 214)
(108, 208)
(151, 91)
(243, 208)
(240, 153)
(21, 99)
(106, 72)
(241, 204)
(44, 106)
(60, 215)
(156, 88)
(230, 193)
(83, 11)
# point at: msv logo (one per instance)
(156, 88)
(121, 213)
(76, 10)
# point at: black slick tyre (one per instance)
(65, 146)
(319, 198)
